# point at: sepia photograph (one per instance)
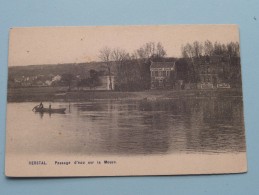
(124, 100)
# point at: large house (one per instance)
(162, 74)
(205, 72)
(213, 72)
(208, 72)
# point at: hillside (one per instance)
(81, 69)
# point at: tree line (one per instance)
(207, 48)
(228, 55)
(92, 81)
(132, 70)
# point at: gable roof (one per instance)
(162, 64)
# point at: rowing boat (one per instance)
(50, 110)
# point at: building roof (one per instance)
(162, 64)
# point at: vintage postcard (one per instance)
(124, 100)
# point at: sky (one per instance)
(57, 45)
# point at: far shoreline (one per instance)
(55, 94)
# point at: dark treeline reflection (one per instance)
(156, 127)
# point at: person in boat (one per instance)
(41, 105)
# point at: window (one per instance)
(208, 69)
(209, 79)
(164, 73)
(202, 70)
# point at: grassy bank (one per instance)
(31, 94)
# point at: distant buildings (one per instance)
(203, 73)
(162, 74)
(183, 73)
(208, 69)
(106, 83)
(217, 72)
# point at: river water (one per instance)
(113, 127)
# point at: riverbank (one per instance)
(33, 94)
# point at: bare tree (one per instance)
(188, 51)
(198, 48)
(233, 49)
(208, 48)
(132, 69)
(134, 55)
(105, 56)
(151, 50)
(146, 51)
(160, 50)
(119, 55)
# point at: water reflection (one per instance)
(135, 127)
(41, 114)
